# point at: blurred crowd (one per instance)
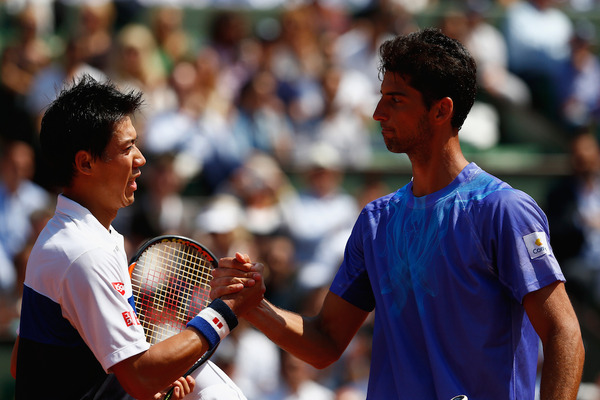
(260, 91)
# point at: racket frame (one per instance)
(205, 254)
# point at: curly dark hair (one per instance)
(82, 117)
(435, 65)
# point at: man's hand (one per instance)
(239, 283)
(181, 388)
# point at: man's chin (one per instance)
(128, 200)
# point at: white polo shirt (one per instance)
(81, 266)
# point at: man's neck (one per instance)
(100, 213)
(435, 171)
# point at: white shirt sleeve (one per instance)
(94, 298)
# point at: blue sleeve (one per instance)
(519, 243)
(352, 280)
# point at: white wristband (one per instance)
(216, 321)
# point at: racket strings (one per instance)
(172, 285)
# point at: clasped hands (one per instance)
(239, 283)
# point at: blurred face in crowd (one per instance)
(585, 155)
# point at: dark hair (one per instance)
(435, 65)
(82, 117)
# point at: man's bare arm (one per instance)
(318, 340)
(552, 316)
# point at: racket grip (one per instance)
(198, 363)
(169, 394)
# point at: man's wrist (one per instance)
(214, 322)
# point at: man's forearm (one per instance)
(294, 333)
(563, 367)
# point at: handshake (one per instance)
(239, 283)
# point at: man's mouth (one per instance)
(132, 182)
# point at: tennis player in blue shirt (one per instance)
(456, 264)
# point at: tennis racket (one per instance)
(170, 277)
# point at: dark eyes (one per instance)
(394, 98)
(130, 147)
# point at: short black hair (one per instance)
(435, 65)
(82, 117)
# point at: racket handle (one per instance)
(169, 394)
(198, 363)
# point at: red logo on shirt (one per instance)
(119, 287)
(130, 318)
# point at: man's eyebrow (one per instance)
(127, 142)
(392, 93)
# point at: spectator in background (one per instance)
(20, 198)
(488, 46)
(356, 360)
(24, 55)
(504, 112)
(481, 129)
(343, 96)
(94, 31)
(259, 122)
(580, 87)
(573, 209)
(373, 186)
(278, 255)
(211, 83)
(298, 381)
(48, 82)
(357, 48)
(297, 63)
(137, 65)
(261, 186)
(537, 36)
(237, 51)
(319, 219)
(219, 225)
(16, 119)
(510, 95)
(204, 147)
(174, 43)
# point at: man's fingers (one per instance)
(240, 262)
(227, 285)
(243, 258)
(191, 382)
(234, 283)
(183, 386)
(187, 384)
(237, 262)
(231, 272)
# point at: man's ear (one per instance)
(443, 110)
(84, 162)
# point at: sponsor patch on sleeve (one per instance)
(537, 244)
(119, 287)
(130, 318)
